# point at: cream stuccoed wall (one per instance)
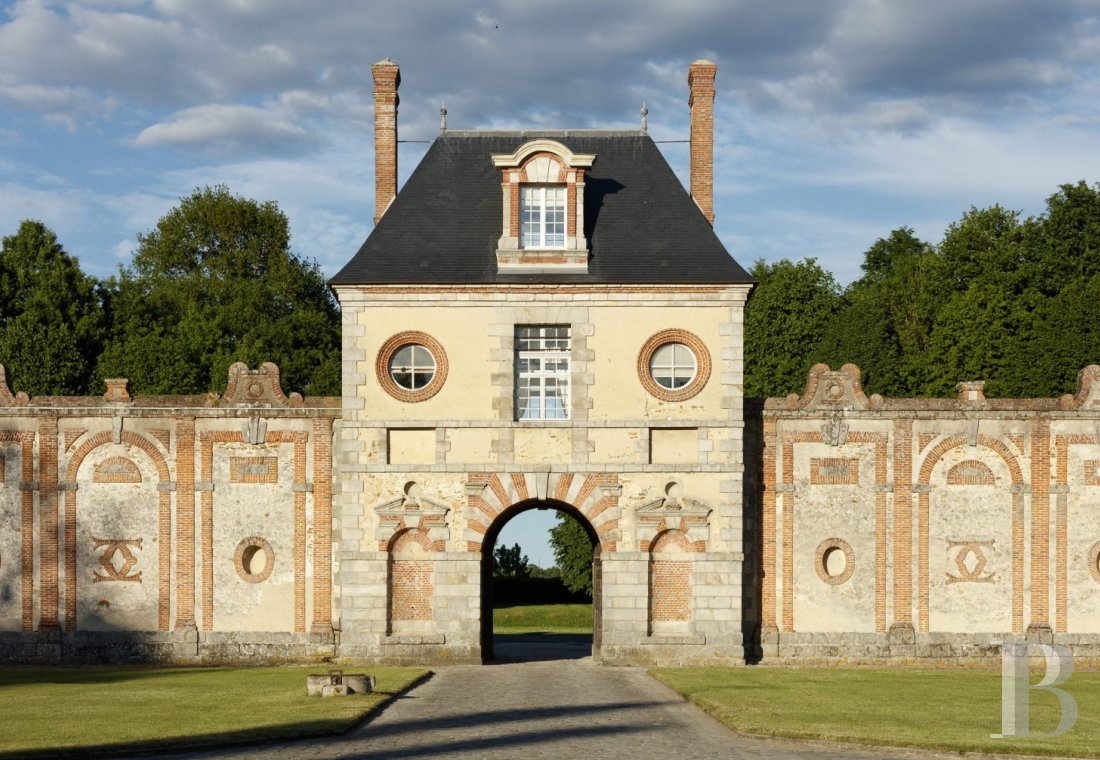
(616, 430)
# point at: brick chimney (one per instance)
(387, 78)
(701, 101)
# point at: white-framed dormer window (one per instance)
(542, 372)
(542, 216)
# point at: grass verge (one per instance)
(950, 710)
(543, 618)
(132, 709)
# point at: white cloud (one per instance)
(836, 121)
(224, 128)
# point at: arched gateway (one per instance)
(489, 546)
(424, 594)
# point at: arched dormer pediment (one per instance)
(542, 230)
(530, 149)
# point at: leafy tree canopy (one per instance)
(785, 321)
(1001, 298)
(510, 562)
(51, 314)
(214, 283)
(573, 552)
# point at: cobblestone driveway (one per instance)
(530, 710)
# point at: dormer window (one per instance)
(542, 216)
(542, 186)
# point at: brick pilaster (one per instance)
(1040, 524)
(49, 568)
(185, 524)
(903, 524)
(322, 524)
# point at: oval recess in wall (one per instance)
(254, 559)
(834, 561)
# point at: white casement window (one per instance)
(672, 366)
(542, 216)
(542, 372)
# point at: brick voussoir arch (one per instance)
(499, 493)
(164, 522)
(104, 437)
(940, 449)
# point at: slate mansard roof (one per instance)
(642, 225)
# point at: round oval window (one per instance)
(672, 366)
(412, 367)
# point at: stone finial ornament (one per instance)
(257, 387)
(645, 118)
(7, 398)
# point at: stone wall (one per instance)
(182, 529)
(925, 528)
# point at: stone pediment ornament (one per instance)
(7, 398)
(256, 388)
(667, 507)
(412, 503)
(675, 512)
(829, 389)
(673, 503)
(1088, 390)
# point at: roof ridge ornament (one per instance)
(442, 117)
(645, 118)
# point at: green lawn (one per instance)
(543, 618)
(55, 708)
(954, 710)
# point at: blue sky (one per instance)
(836, 120)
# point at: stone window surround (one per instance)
(503, 377)
(398, 341)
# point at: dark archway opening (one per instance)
(537, 646)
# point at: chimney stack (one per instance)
(387, 78)
(701, 101)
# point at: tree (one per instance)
(988, 305)
(510, 562)
(886, 318)
(215, 283)
(785, 319)
(1064, 244)
(51, 314)
(573, 552)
